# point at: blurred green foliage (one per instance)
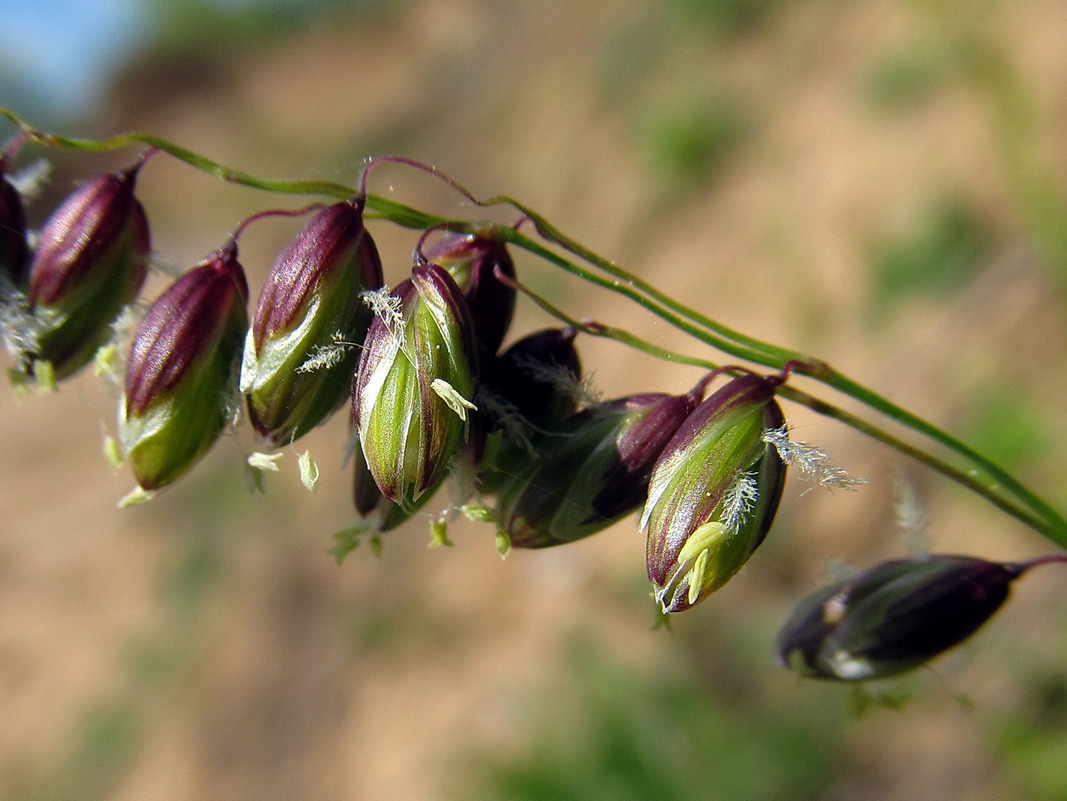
(184, 23)
(689, 144)
(906, 78)
(937, 253)
(615, 732)
(728, 17)
(1031, 741)
(1007, 426)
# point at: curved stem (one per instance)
(650, 305)
(627, 283)
(992, 477)
(206, 165)
(984, 478)
(967, 478)
(608, 332)
(1052, 559)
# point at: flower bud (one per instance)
(592, 471)
(893, 617)
(473, 261)
(90, 262)
(14, 251)
(181, 375)
(713, 493)
(303, 345)
(417, 374)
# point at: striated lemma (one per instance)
(476, 262)
(414, 388)
(91, 260)
(301, 349)
(182, 370)
(714, 493)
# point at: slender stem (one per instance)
(985, 478)
(1049, 528)
(995, 479)
(599, 330)
(1051, 559)
(627, 283)
(239, 230)
(206, 165)
(968, 479)
(624, 282)
(726, 346)
(991, 476)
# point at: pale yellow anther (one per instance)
(44, 375)
(136, 496)
(105, 361)
(439, 533)
(478, 513)
(503, 543)
(700, 540)
(264, 461)
(309, 471)
(456, 402)
(696, 576)
(112, 452)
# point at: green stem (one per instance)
(630, 292)
(1046, 523)
(991, 477)
(608, 332)
(631, 285)
(985, 478)
(206, 165)
(1048, 526)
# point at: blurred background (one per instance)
(880, 183)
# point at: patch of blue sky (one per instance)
(57, 55)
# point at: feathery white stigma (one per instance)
(813, 463)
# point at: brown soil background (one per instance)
(213, 650)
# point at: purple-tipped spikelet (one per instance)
(893, 617)
(181, 375)
(713, 493)
(592, 471)
(90, 262)
(14, 250)
(301, 350)
(473, 261)
(416, 380)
